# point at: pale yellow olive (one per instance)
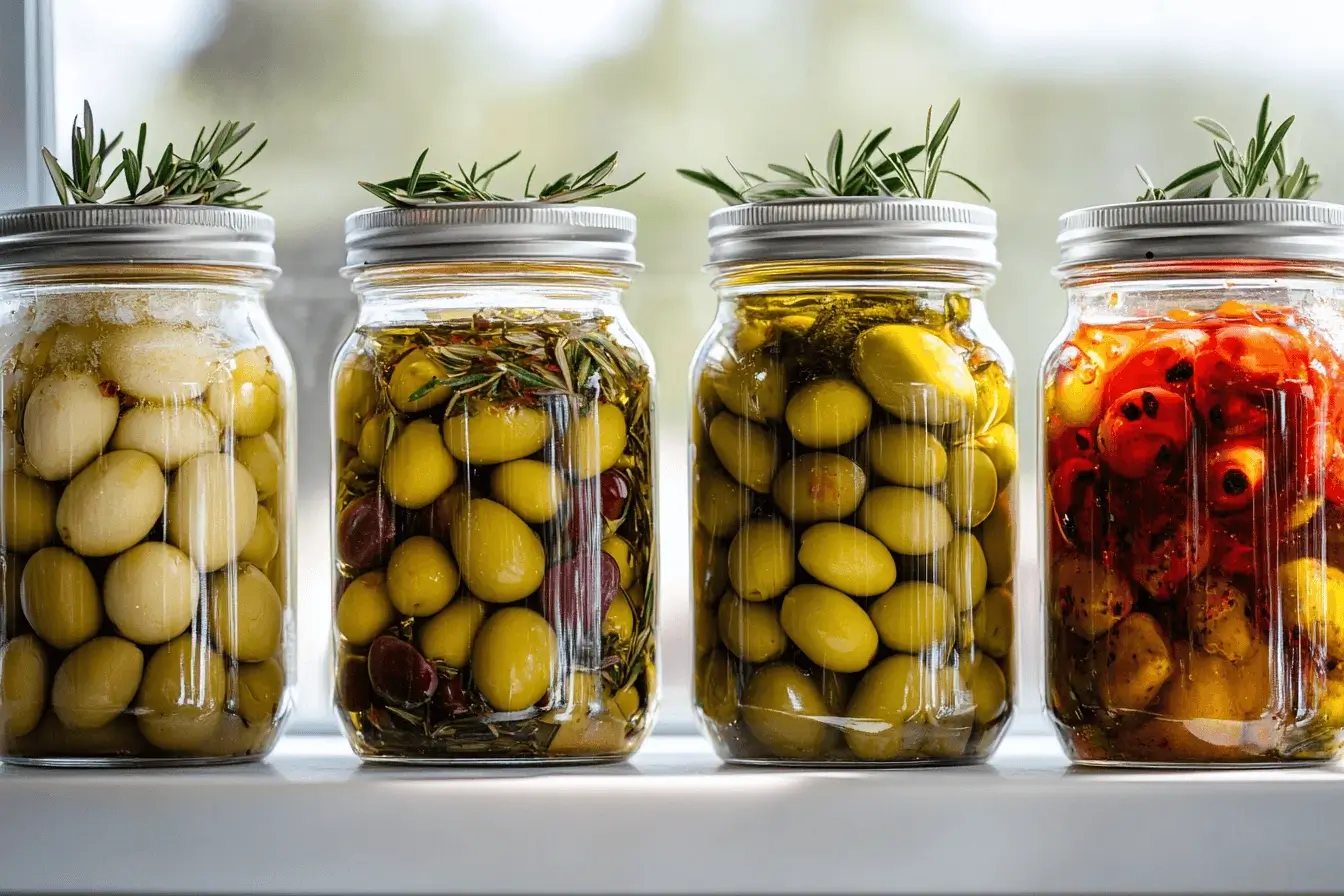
(151, 592)
(989, 690)
(914, 617)
(905, 454)
(972, 486)
(421, 576)
(364, 611)
(23, 685)
(530, 488)
(755, 387)
(355, 393)
(417, 467)
(716, 688)
(964, 571)
(119, 738)
(624, 554)
(241, 396)
(1330, 708)
(184, 673)
(596, 441)
(11, 573)
(373, 439)
(828, 413)
(1090, 598)
(60, 598)
(182, 729)
(233, 736)
(993, 622)
(1313, 600)
(62, 345)
(262, 458)
(246, 613)
(847, 559)
(886, 700)
(906, 520)
(586, 725)
(500, 557)
(170, 434)
(819, 487)
(492, 433)
(915, 375)
(212, 510)
(760, 560)
(96, 682)
(67, 423)
(720, 503)
(260, 688)
(158, 363)
(830, 627)
(782, 707)
(28, 513)
(999, 541)
(751, 630)
(513, 658)
(11, 452)
(112, 503)
(1135, 661)
(1219, 616)
(448, 635)
(418, 383)
(999, 443)
(265, 541)
(748, 451)
(993, 396)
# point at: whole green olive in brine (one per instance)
(914, 375)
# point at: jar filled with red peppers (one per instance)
(1194, 475)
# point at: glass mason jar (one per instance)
(853, 460)
(493, 504)
(147, 494)
(1194, 473)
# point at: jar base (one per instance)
(1181, 765)
(494, 761)
(822, 764)
(128, 762)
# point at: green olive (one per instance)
(246, 613)
(748, 451)
(492, 433)
(587, 724)
(596, 441)
(448, 635)
(150, 592)
(500, 557)
(624, 554)
(760, 560)
(711, 567)
(999, 443)
(993, 623)
(972, 486)
(265, 541)
(720, 502)
(530, 488)
(914, 374)
(1313, 600)
(993, 396)
(619, 620)
(373, 439)
(11, 611)
(181, 695)
(241, 397)
(847, 559)
(159, 363)
(887, 699)
(819, 487)
(1088, 596)
(170, 434)
(829, 627)
(233, 736)
(119, 738)
(67, 422)
(716, 688)
(23, 685)
(355, 394)
(262, 458)
(828, 413)
(781, 707)
(28, 506)
(96, 682)
(417, 467)
(907, 455)
(755, 387)
(999, 540)
(421, 577)
(365, 611)
(513, 658)
(212, 510)
(113, 503)
(1330, 708)
(906, 520)
(418, 383)
(261, 687)
(751, 630)
(60, 598)
(914, 617)
(964, 570)
(989, 690)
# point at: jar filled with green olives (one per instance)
(493, 503)
(146, 615)
(853, 460)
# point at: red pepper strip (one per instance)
(1236, 475)
(1076, 501)
(1144, 431)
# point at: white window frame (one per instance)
(26, 102)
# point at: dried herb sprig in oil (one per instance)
(472, 184)
(870, 171)
(1247, 174)
(207, 176)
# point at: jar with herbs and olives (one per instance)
(146, 435)
(493, 514)
(853, 460)
(1194, 478)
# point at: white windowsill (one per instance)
(313, 820)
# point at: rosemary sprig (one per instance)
(870, 171)
(1245, 174)
(422, 188)
(205, 177)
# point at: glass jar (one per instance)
(148, 501)
(493, 503)
(854, 461)
(1194, 473)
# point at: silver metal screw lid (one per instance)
(858, 227)
(109, 234)
(1175, 229)
(489, 231)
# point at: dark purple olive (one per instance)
(574, 589)
(353, 693)
(399, 674)
(450, 699)
(615, 493)
(365, 533)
